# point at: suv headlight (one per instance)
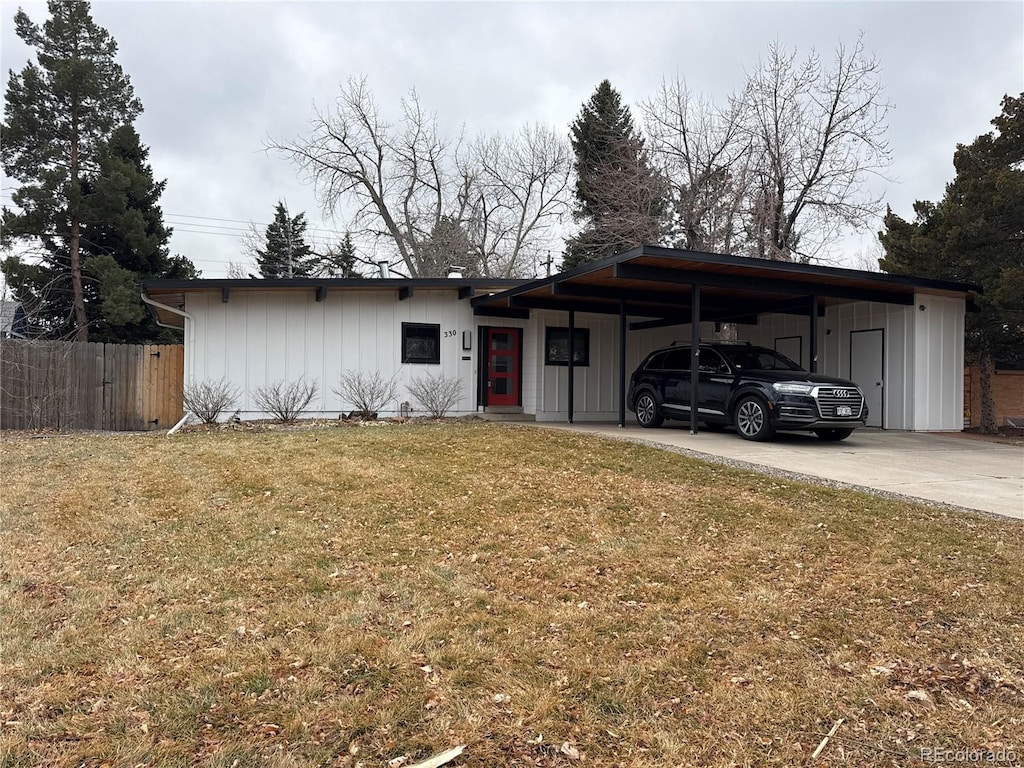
(792, 388)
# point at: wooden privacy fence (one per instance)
(88, 385)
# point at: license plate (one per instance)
(844, 410)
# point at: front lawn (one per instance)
(354, 596)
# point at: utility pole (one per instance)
(288, 220)
(547, 264)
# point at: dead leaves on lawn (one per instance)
(374, 596)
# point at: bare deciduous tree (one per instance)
(411, 186)
(777, 171)
(817, 134)
(703, 152)
(237, 270)
(520, 192)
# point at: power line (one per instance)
(170, 222)
(338, 232)
(256, 223)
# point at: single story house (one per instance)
(508, 341)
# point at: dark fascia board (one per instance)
(607, 292)
(367, 283)
(809, 270)
(754, 283)
(505, 312)
(680, 312)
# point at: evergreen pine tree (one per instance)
(124, 241)
(621, 199)
(339, 260)
(59, 112)
(285, 253)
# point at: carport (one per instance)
(652, 287)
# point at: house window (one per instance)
(421, 343)
(556, 346)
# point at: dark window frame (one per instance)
(582, 350)
(656, 361)
(435, 330)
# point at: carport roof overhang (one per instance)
(657, 283)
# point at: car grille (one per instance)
(830, 398)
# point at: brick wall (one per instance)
(1007, 389)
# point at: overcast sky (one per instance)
(217, 78)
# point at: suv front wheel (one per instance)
(647, 413)
(751, 418)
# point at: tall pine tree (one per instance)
(621, 200)
(59, 112)
(285, 253)
(975, 234)
(124, 240)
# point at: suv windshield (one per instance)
(758, 359)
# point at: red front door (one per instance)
(503, 380)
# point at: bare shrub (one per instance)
(436, 393)
(284, 401)
(367, 392)
(209, 399)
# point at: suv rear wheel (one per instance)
(751, 419)
(647, 413)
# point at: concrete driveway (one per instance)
(952, 469)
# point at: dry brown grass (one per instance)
(352, 596)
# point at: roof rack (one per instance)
(678, 343)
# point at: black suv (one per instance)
(755, 389)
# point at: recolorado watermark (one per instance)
(969, 756)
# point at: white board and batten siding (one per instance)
(835, 331)
(261, 337)
(938, 363)
(922, 355)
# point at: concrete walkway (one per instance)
(952, 469)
